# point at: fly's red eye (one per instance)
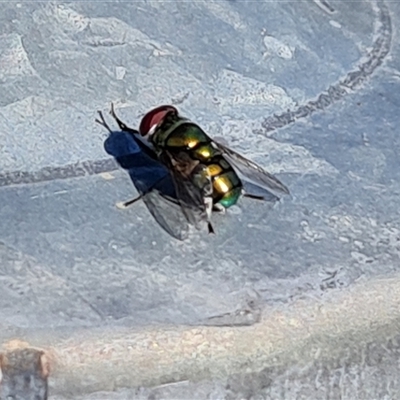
(154, 117)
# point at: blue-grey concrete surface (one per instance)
(309, 89)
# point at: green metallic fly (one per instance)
(205, 173)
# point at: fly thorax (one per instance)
(189, 137)
(163, 131)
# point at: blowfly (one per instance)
(205, 173)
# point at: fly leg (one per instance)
(121, 125)
(125, 204)
(253, 196)
(208, 202)
(219, 208)
(203, 182)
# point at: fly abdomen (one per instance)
(227, 186)
(205, 152)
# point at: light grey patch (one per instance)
(14, 60)
(179, 98)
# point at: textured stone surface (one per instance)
(310, 90)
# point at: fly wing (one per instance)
(253, 172)
(153, 181)
(168, 214)
(189, 194)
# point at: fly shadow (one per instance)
(150, 177)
